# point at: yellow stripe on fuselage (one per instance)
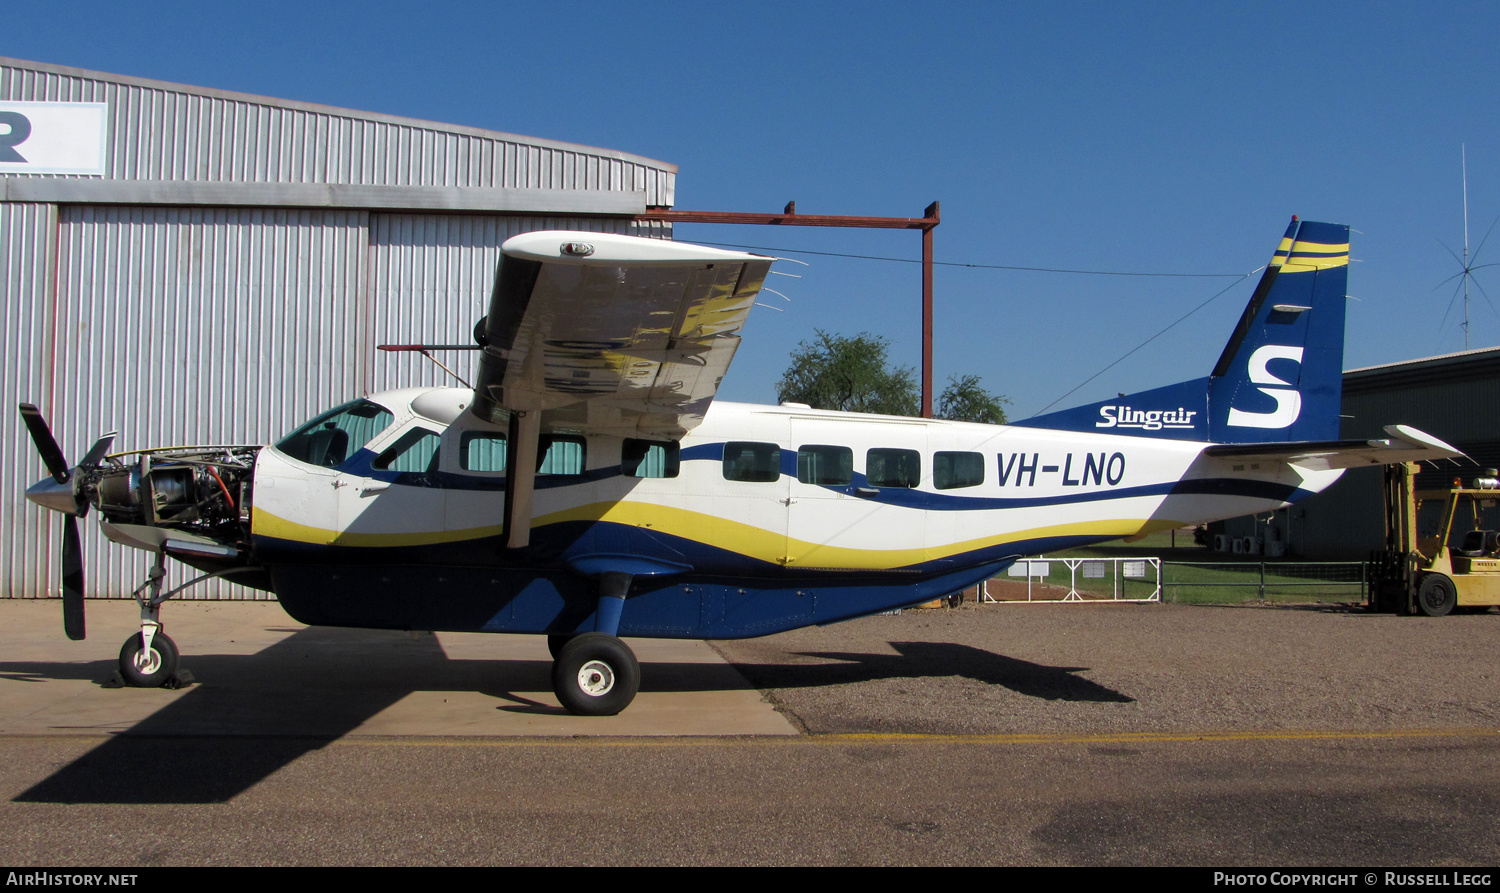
(269, 525)
(776, 548)
(733, 536)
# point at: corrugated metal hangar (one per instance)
(1452, 397)
(187, 265)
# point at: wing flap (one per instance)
(1404, 444)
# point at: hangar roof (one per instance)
(1468, 365)
(184, 145)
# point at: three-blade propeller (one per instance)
(62, 493)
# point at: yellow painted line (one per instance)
(915, 738)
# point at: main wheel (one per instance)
(148, 669)
(556, 641)
(596, 675)
(1436, 596)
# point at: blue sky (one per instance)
(1169, 137)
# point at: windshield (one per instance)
(335, 435)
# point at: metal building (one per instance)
(187, 265)
(1455, 397)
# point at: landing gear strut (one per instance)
(148, 659)
(596, 674)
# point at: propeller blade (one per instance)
(46, 444)
(72, 569)
(97, 451)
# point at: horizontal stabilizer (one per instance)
(1403, 445)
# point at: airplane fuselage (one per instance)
(763, 518)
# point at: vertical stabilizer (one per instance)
(1280, 377)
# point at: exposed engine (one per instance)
(202, 490)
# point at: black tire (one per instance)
(555, 643)
(152, 672)
(595, 675)
(1436, 596)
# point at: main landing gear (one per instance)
(596, 674)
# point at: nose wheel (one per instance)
(595, 674)
(146, 664)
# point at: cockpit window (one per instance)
(335, 435)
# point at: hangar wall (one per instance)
(232, 268)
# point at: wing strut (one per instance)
(520, 476)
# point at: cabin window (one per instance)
(482, 451)
(417, 450)
(753, 462)
(560, 454)
(649, 459)
(335, 435)
(951, 471)
(885, 467)
(828, 466)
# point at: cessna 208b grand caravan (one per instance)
(589, 487)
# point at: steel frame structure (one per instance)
(789, 217)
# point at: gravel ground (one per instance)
(1130, 668)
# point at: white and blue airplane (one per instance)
(589, 487)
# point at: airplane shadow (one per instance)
(248, 716)
(916, 660)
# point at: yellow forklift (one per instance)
(1442, 547)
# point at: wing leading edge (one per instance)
(614, 334)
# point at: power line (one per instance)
(1179, 319)
(940, 263)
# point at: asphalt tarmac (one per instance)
(995, 735)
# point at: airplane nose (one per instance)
(49, 494)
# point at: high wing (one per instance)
(605, 333)
(1404, 444)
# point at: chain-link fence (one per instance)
(1052, 580)
(1285, 581)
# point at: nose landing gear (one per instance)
(148, 659)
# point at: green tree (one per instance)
(848, 374)
(965, 401)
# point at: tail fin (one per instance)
(1280, 377)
